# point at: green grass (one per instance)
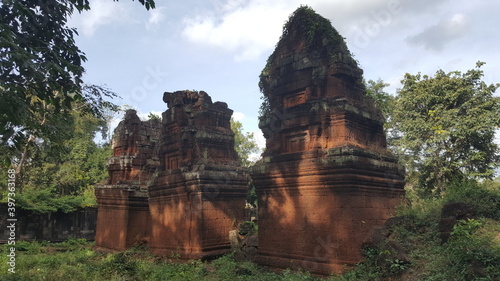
(472, 242)
(472, 252)
(475, 241)
(76, 260)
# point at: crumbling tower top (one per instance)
(326, 173)
(311, 79)
(310, 44)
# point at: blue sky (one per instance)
(221, 46)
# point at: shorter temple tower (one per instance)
(326, 178)
(199, 193)
(123, 214)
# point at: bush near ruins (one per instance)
(443, 128)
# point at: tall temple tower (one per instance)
(199, 193)
(123, 218)
(174, 184)
(326, 177)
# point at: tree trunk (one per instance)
(23, 159)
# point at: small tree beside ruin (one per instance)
(446, 126)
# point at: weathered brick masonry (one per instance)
(199, 193)
(123, 214)
(326, 178)
(175, 184)
(325, 181)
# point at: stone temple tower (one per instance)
(174, 184)
(199, 192)
(326, 178)
(123, 218)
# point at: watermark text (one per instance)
(11, 220)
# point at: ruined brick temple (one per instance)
(123, 218)
(199, 193)
(326, 178)
(174, 184)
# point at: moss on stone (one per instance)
(321, 45)
(317, 31)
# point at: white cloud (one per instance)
(247, 28)
(261, 143)
(259, 139)
(144, 116)
(102, 12)
(156, 16)
(238, 116)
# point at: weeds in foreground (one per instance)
(76, 260)
(473, 250)
(471, 253)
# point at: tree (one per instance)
(447, 125)
(62, 178)
(385, 102)
(41, 74)
(73, 165)
(375, 90)
(244, 143)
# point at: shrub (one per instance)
(44, 201)
(73, 244)
(121, 264)
(472, 256)
(484, 197)
(29, 247)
